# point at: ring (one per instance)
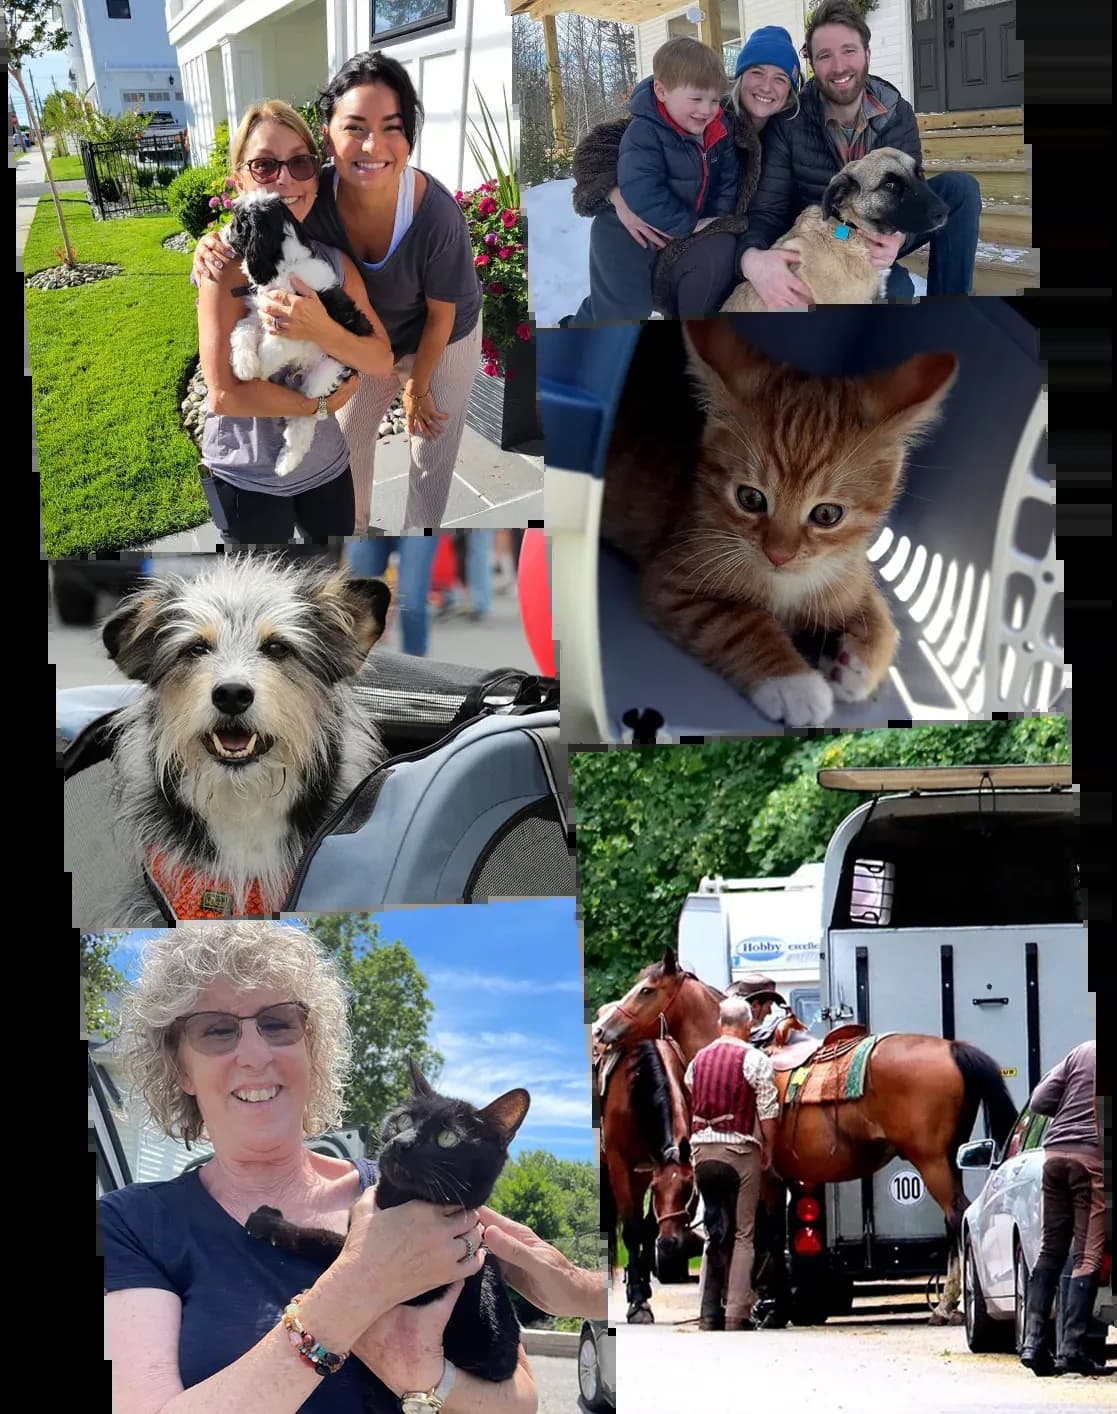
(469, 1248)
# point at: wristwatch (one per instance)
(323, 410)
(430, 1401)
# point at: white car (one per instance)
(597, 1366)
(1002, 1232)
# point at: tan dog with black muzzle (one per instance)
(882, 193)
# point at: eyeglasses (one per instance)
(301, 167)
(216, 1033)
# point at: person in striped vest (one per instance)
(735, 1109)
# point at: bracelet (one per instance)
(420, 396)
(321, 1360)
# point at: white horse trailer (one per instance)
(950, 906)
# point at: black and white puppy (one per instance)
(247, 736)
(274, 247)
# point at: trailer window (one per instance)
(871, 899)
(806, 1003)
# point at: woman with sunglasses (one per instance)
(407, 235)
(237, 1032)
(273, 150)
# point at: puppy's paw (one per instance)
(285, 463)
(850, 677)
(800, 699)
(246, 366)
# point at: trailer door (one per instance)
(1017, 992)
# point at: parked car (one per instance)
(161, 121)
(1002, 1233)
(597, 1366)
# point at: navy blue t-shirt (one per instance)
(233, 1288)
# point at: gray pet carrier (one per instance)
(468, 806)
(967, 560)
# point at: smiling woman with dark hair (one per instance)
(408, 238)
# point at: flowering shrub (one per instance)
(500, 256)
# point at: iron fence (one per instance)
(132, 175)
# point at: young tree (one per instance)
(32, 33)
(98, 978)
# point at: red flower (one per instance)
(508, 217)
(486, 206)
(504, 252)
(489, 348)
(491, 369)
(523, 331)
(482, 260)
(458, 196)
(496, 288)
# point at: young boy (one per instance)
(677, 170)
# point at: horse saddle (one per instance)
(835, 1069)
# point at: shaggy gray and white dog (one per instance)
(247, 737)
(274, 247)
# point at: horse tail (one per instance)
(984, 1085)
(608, 1211)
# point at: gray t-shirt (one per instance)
(244, 450)
(1069, 1092)
(434, 260)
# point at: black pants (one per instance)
(257, 518)
(621, 276)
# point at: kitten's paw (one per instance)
(850, 677)
(800, 699)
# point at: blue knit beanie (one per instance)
(771, 45)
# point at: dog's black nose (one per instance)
(232, 697)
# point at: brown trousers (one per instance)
(728, 1178)
(1073, 1211)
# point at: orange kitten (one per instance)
(766, 534)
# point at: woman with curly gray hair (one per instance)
(237, 1032)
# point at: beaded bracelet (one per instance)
(321, 1360)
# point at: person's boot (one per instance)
(1075, 1358)
(711, 1315)
(1035, 1352)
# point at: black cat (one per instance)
(441, 1151)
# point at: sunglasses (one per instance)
(216, 1033)
(302, 167)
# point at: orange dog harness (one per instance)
(190, 895)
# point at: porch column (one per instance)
(554, 82)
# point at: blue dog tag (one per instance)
(841, 233)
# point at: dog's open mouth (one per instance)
(235, 746)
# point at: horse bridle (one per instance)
(685, 976)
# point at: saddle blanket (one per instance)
(827, 1082)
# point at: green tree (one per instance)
(98, 978)
(32, 32)
(651, 822)
(389, 1012)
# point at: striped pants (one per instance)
(432, 458)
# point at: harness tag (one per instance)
(841, 233)
(217, 902)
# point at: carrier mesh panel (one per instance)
(398, 691)
(528, 858)
(104, 872)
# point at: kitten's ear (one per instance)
(419, 1082)
(911, 396)
(725, 366)
(507, 1112)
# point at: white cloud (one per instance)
(486, 982)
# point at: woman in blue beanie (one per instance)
(766, 83)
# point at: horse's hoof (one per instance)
(947, 1318)
(640, 1316)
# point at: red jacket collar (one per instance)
(714, 132)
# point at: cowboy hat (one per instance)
(756, 987)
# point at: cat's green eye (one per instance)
(826, 515)
(447, 1139)
(750, 499)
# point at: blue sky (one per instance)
(506, 982)
(51, 71)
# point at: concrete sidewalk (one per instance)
(491, 488)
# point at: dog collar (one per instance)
(188, 894)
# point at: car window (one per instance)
(1036, 1130)
(1019, 1134)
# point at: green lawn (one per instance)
(67, 169)
(108, 360)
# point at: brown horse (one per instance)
(645, 1138)
(922, 1095)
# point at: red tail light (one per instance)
(806, 1242)
(807, 1210)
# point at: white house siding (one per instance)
(123, 63)
(232, 56)
(889, 23)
